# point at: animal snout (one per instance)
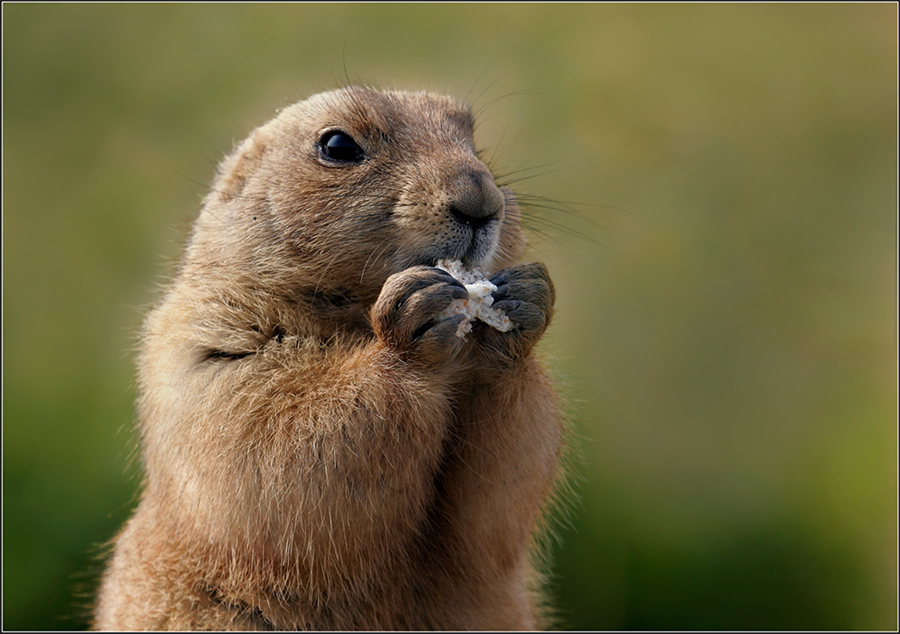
(474, 198)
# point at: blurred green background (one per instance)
(727, 285)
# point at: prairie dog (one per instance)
(320, 450)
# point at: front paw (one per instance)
(526, 294)
(405, 315)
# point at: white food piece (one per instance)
(478, 306)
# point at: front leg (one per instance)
(526, 294)
(287, 475)
(500, 465)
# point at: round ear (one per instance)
(237, 166)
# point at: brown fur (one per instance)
(318, 453)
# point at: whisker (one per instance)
(325, 270)
(488, 87)
(372, 255)
(514, 93)
(529, 221)
(503, 175)
(490, 161)
(551, 205)
(491, 65)
(525, 178)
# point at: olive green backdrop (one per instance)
(722, 232)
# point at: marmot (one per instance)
(320, 450)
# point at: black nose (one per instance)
(474, 198)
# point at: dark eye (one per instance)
(338, 147)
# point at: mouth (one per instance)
(474, 246)
(474, 251)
